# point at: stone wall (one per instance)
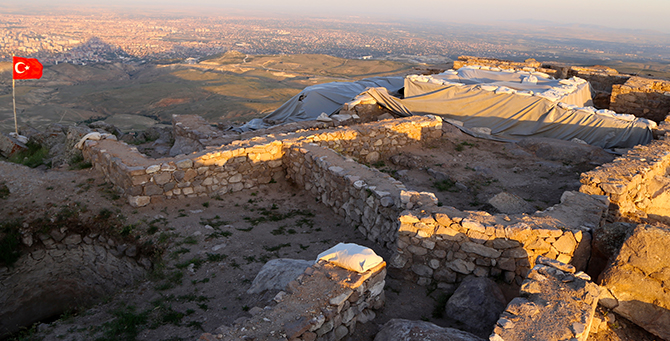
(324, 303)
(244, 164)
(555, 303)
(634, 182)
(366, 197)
(443, 245)
(530, 65)
(64, 270)
(636, 283)
(642, 97)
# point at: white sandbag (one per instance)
(95, 136)
(351, 256)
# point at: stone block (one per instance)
(637, 279)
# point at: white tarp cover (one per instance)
(316, 99)
(351, 257)
(554, 109)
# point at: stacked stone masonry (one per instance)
(635, 183)
(443, 245)
(80, 268)
(326, 302)
(555, 303)
(642, 97)
(245, 164)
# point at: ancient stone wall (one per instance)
(443, 245)
(324, 303)
(244, 164)
(635, 183)
(555, 303)
(530, 65)
(366, 197)
(64, 270)
(642, 97)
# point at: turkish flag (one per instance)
(26, 68)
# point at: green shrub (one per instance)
(31, 157)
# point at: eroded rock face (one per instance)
(46, 282)
(406, 330)
(476, 303)
(277, 273)
(637, 281)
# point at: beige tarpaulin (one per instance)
(516, 115)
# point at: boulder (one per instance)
(10, 145)
(565, 151)
(476, 304)
(406, 330)
(637, 280)
(277, 273)
(509, 203)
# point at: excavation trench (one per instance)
(63, 270)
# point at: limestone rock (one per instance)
(509, 203)
(638, 279)
(406, 330)
(477, 303)
(277, 273)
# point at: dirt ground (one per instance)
(214, 247)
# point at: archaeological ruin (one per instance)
(544, 253)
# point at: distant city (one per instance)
(107, 37)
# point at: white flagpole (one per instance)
(16, 125)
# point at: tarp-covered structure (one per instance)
(514, 105)
(492, 103)
(320, 98)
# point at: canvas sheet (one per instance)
(316, 99)
(517, 116)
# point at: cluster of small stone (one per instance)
(244, 164)
(642, 97)
(324, 303)
(555, 303)
(443, 245)
(80, 269)
(632, 182)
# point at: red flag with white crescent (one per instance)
(26, 68)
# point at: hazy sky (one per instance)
(638, 14)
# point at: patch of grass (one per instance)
(125, 326)
(4, 191)
(250, 259)
(215, 257)
(78, 162)
(205, 204)
(175, 254)
(213, 222)
(191, 240)
(276, 247)
(31, 157)
(9, 242)
(196, 261)
(459, 147)
(446, 185)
